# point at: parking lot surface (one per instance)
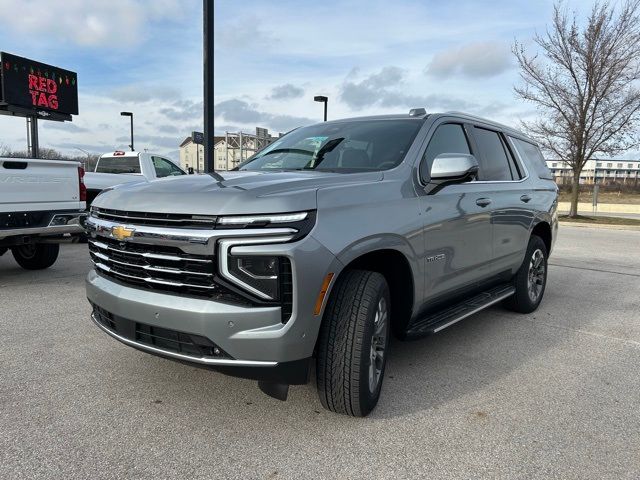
(554, 394)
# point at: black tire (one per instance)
(523, 300)
(36, 257)
(3, 250)
(358, 308)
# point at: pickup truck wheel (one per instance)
(36, 256)
(353, 343)
(531, 279)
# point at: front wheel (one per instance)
(353, 343)
(36, 256)
(531, 279)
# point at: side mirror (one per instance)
(454, 166)
(450, 168)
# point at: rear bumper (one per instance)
(53, 223)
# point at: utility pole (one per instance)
(208, 86)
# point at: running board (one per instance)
(446, 317)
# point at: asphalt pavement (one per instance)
(553, 394)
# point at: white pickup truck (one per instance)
(40, 201)
(126, 167)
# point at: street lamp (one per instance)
(129, 114)
(322, 99)
(86, 163)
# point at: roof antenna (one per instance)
(417, 112)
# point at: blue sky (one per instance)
(271, 58)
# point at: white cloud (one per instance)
(112, 23)
(483, 59)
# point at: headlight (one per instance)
(260, 220)
(259, 274)
(302, 222)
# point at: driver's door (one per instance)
(457, 227)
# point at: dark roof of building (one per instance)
(188, 140)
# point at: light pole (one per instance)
(130, 115)
(322, 99)
(86, 163)
(208, 48)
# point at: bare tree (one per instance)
(584, 86)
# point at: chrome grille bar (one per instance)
(150, 268)
(151, 280)
(156, 256)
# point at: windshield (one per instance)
(357, 146)
(118, 165)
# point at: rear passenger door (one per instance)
(508, 194)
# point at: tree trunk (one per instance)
(575, 192)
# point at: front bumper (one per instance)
(257, 343)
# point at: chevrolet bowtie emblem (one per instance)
(120, 232)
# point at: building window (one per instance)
(630, 165)
(554, 165)
(619, 165)
(609, 165)
(599, 164)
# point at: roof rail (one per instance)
(482, 119)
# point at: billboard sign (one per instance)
(37, 86)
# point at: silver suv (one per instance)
(324, 245)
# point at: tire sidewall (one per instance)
(535, 243)
(368, 399)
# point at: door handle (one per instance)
(525, 198)
(483, 202)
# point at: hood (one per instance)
(235, 193)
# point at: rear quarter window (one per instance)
(533, 157)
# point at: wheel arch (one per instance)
(396, 267)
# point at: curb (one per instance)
(601, 226)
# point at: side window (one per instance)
(532, 155)
(448, 138)
(494, 163)
(165, 168)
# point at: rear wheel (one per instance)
(36, 256)
(353, 343)
(531, 279)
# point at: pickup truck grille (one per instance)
(155, 267)
(155, 219)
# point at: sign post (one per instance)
(198, 139)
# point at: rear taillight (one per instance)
(82, 187)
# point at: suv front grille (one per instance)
(155, 267)
(155, 219)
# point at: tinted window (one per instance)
(448, 138)
(118, 165)
(361, 145)
(532, 155)
(494, 164)
(165, 168)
